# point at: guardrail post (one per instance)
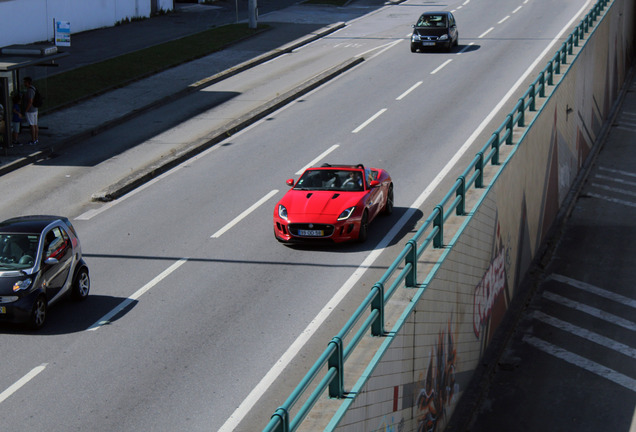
(532, 97)
(522, 112)
(411, 258)
(377, 327)
(542, 84)
(495, 145)
(461, 192)
(283, 415)
(479, 167)
(564, 52)
(550, 73)
(557, 59)
(570, 44)
(510, 127)
(438, 222)
(336, 360)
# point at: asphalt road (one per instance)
(214, 301)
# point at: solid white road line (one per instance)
(319, 158)
(21, 382)
(240, 217)
(106, 318)
(366, 123)
(582, 362)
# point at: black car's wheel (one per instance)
(364, 227)
(388, 205)
(81, 285)
(38, 313)
(413, 48)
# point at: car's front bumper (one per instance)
(18, 311)
(438, 44)
(306, 232)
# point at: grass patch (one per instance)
(87, 81)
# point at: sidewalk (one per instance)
(296, 26)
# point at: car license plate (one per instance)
(3, 310)
(428, 43)
(311, 233)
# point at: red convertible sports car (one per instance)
(333, 202)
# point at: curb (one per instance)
(159, 167)
(82, 136)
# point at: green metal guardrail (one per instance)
(336, 353)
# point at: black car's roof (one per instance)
(435, 13)
(29, 224)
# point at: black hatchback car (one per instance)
(40, 261)
(435, 30)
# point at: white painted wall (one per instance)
(29, 21)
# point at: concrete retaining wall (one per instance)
(30, 21)
(417, 379)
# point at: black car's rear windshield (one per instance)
(432, 21)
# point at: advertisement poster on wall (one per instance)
(62, 33)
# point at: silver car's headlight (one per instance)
(282, 212)
(443, 37)
(21, 285)
(346, 214)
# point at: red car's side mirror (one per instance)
(290, 182)
(374, 183)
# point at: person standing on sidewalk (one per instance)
(31, 111)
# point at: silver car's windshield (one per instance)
(18, 251)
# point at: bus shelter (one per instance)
(13, 60)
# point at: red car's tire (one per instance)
(388, 205)
(364, 227)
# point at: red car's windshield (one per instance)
(331, 179)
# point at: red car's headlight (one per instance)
(346, 214)
(282, 212)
